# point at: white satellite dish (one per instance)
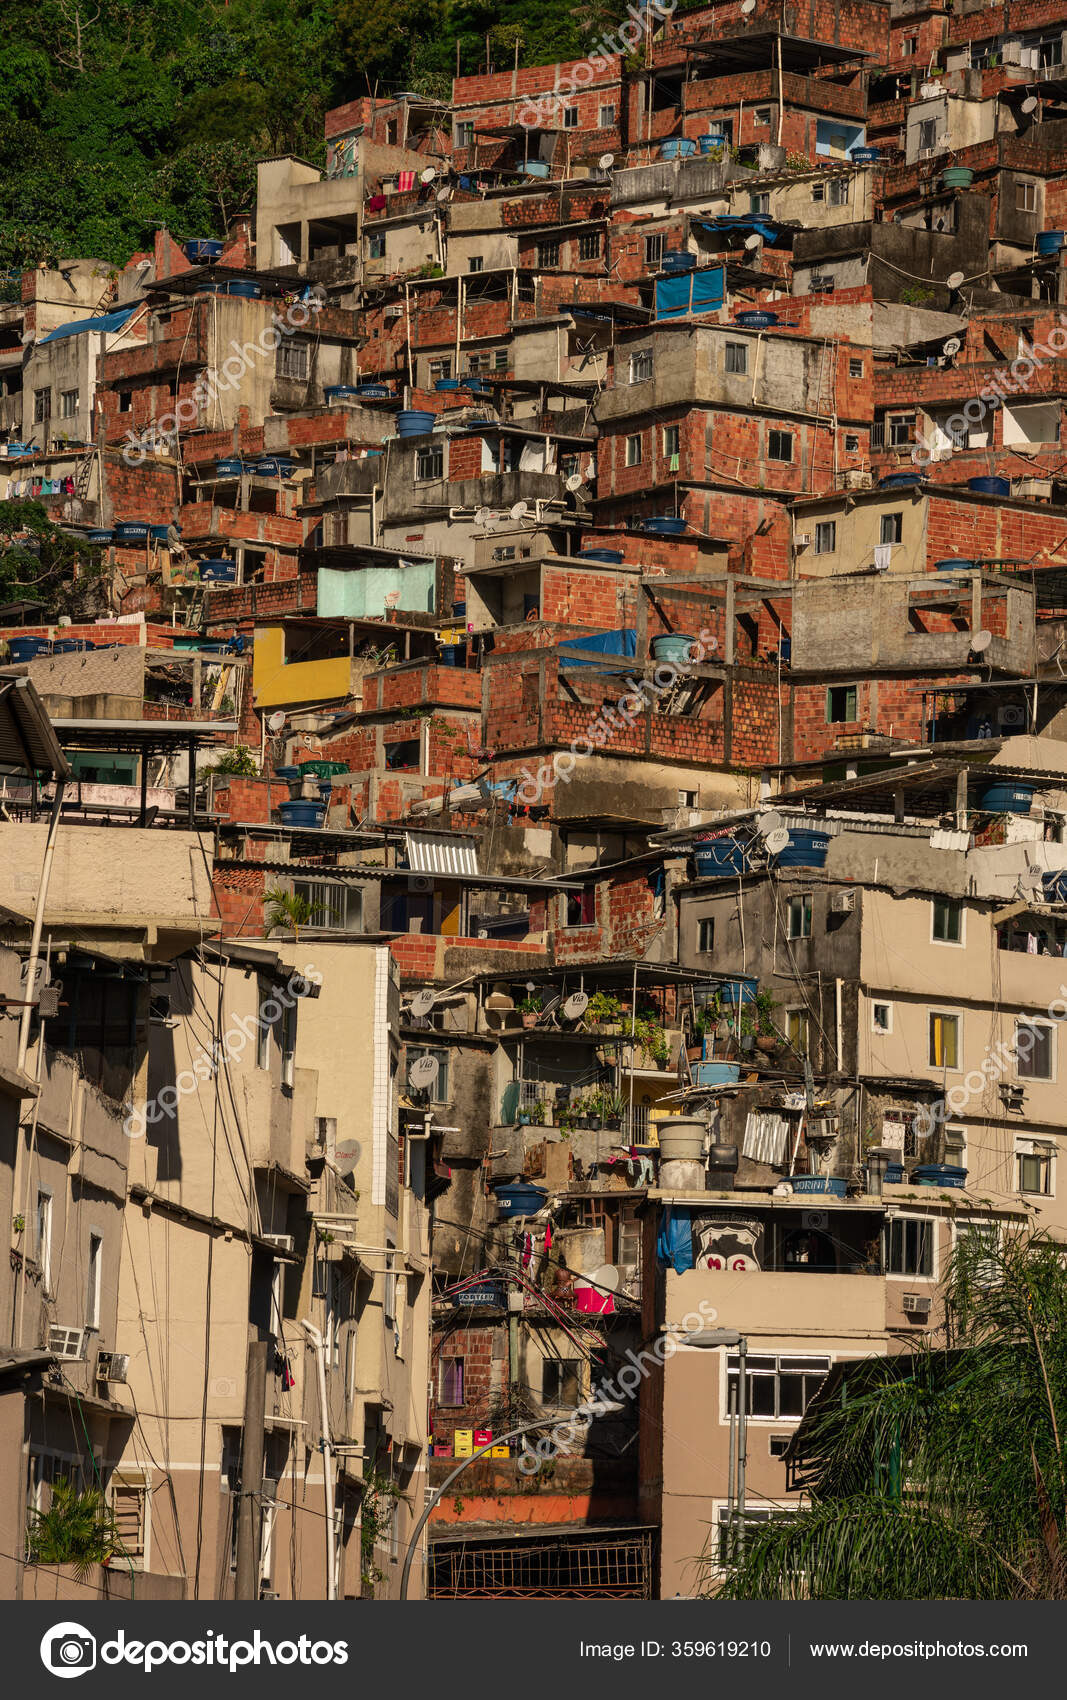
(423, 1072)
(421, 1004)
(26, 338)
(520, 510)
(955, 279)
(575, 481)
(443, 194)
(754, 241)
(952, 346)
(768, 823)
(482, 516)
(777, 841)
(748, 7)
(276, 722)
(576, 1005)
(606, 161)
(606, 1278)
(1030, 103)
(981, 642)
(428, 175)
(40, 975)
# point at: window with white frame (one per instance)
(641, 366)
(130, 1499)
(1026, 197)
(837, 192)
(43, 1238)
(825, 536)
(855, 368)
(908, 1247)
(263, 1027)
(1035, 1050)
(946, 921)
(944, 1036)
(465, 133)
(755, 1517)
(654, 245)
(956, 1147)
(1034, 1159)
(334, 905)
(68, 404)
(798, 916)
(891, 528)
(94, 1276)
(289, 1045)
(777, 1388)
(439, 1089)
(671, 441)
(633, 449)
(706, 934)
(759, 205)
(881, 1018)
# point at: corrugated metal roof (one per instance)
(27, 738)
(434, 853)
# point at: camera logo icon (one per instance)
(68, 1650)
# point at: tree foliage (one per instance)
(77, 1529)
(39, 562)
(949, 1480)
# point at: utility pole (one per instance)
(249, 1512)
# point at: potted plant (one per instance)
(766, 1034)
(530, 1009)
(536, 1114)
(603, 1010)
(594, 1106)
(613, 1107)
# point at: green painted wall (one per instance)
(361, 594)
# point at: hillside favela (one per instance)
(533, 802)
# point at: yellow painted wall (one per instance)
(276, 684)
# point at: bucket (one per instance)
(806, 849)
(719, 858)
(413, 422)
(682, 1140)
(1008, 798)
(519, 1198)
(1049, 241)
(302, 811)
(672, 647)
(990, 486)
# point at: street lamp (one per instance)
(602, 1408)
(709, 1339)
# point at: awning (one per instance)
(27, 737)
(106, 322)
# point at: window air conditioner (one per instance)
(394, 312)
(916, 1305)
(284, 1242)
(66, 1342)
(844, 902)
(802, 540)
(112, 1366)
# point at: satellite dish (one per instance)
(981, 642)
(606, 1278)
(26, 338)
(40, 975)
(754, 241)
(421, 1004)
(576, 1005)
(428, 175)
(423, 1072)
(1030, 103)
(954, 279)
(777, 841)
(575, 481)
(482, 516)
(952, 346)
(747, 8)
(443, 194)
(520, 510)
(606, 161)
(768, 823)
(276, 722)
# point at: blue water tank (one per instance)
(677, 147)
(990, 486)
(712, 141)
(131, 532)
(1050, 241)
(719, 858)
(865, 156)
(519, 1198)
(611, 556)
(302, 811)
(954, 564)
(828, 1185)
(536, 168)
(670, 525)
(218, 571)
(1008, 797)
(229, 468)
(273, 466)
(806, 849)
(672, 646)
(28, 648)
(900, 481)
(716, 1073)
(757, 319)
(203, 250)
(100, 536)
(677, 260)
(413, 422)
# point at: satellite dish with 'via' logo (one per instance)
(576, 1005)
(423, 1072)
(777, 841)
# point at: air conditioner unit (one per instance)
(843, 902)
(856, 479)
(66, 1342)
(393, 312)
(802, 540)
(112, 1366)
(284, 1242)
(916, 1305)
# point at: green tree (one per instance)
(40, 562)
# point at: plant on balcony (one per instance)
(380, 1494)
(647, 1032)
(530, 1008)
(613, 1109)
(239, 761)
(287, 911)
(603, 1010)
(77, 1529)
(535, 1114)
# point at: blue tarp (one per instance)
(107, 322)
(689, 292)
(674, 1243)
(768, 228)
(622, 643)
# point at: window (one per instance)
(42, 406)
(478, 363)
(654, 246)
(1034, 1050)
(500, 360)
(909, 46)
(881, 1018)
(548, 253)
(946, 921)
(334, 1317)
(754, 1519)
(798, 916)
(775, 1388)
(687, 799)
(956, 1147)
(633, 450)
(944, 1040)
(927, 134)
(737, 357)
(607, 116)
(125, 401)
(818, 191)
(389, 1283)
(837, 192)
(570, 117)
(825, 537)
(92, 1285)
(1033, 1162)
(706, 934)
(908, 1247)
(43, 1241)
(441, 367)
(671, 441)
(581, 907)
(822, 283)
(561, 1381)
(450, 1381)
(758, 204)
(465, 133)
(780, 445)
(891, 529)
(841, 704)
(129, 1496)
(293, 359)
(589, 245)
(474, 262)
(852, 442)
(376, 246)
(429, 463)
(900, 427)
(855, 368)
(762, 115)
(1026, 197)
(641, 366)
(68, 403)
(798, 1030)
(288, 1044)
(263, 1028)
